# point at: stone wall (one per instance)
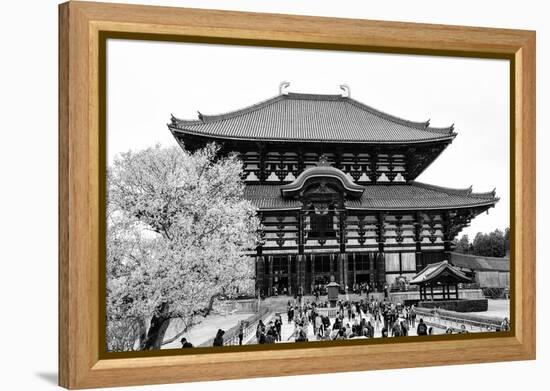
(466, 305)
(412, 296)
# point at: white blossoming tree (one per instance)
(177, 237)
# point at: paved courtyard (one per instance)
(206, 330)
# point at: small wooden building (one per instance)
(436, 280)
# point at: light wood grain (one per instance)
(79, 172)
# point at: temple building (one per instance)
(334, 183)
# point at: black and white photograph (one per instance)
(261, 195)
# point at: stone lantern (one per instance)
(332, 291)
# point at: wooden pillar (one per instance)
(301, 233)
(381, 239)
(373, 165)
(299, 260)
(262, 169)
(354, 269)
(260, 274)
(301, 163)
(447, 235)
(301, 265)
(338, 158)
(335, 260)
(344, 268)
(342, 227)
(270, 275)
(432, 292)
(289, 274)
(418, 241)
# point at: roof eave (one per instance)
(184, 131)
(423, 208)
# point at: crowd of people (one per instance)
(354, 319)
(270, 333)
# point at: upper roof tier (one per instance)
(297, 117)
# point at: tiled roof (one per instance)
(311, 117)
(480, 263)
(416, 195)
(411, 196)
(432, 272)
(269, 197)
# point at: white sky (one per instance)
(147, 81)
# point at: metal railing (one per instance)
(249, 329)
(455, 322)
(231, 336)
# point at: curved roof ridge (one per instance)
(422, 125)
(464, 192)
(435, 269)
(323, 171)
(307, 96)
(443, 129)
(205, 118)
(486, 194)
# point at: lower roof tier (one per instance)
(409, 196)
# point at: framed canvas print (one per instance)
(246, 195)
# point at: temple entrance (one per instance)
(280, 285)
(320, 282)
(362, 278)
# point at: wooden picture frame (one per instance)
(83, 29)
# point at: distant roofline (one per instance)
(502, 259)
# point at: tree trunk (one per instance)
(157, 329)
(142, 333)
(156, 332)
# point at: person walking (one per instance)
(404, 328)
(241, 332)
(370, 330)
(422, 329)
(299, 334)
(412, 316)
(396, 329)
(185, 344)
(260, 331)
(218, 341)
(290, 312)
(505, 325)
(278, 326)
